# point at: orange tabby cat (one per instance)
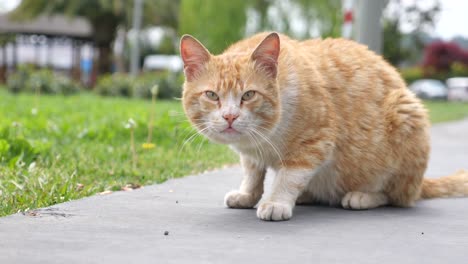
(331, 118)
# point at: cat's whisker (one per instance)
(203, 139)
(258, 145)
(277, 140)
(270, 143)
(188, 132)
(197, 134)
(176, 113)
(252, 140)
(200, 146)
(191, 138)
(185, 120)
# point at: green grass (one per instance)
(77, 146)
(440, 111)
(80, 147)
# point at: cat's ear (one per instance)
(194, 55)
(266, 55)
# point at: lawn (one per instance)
(77, 146)
(440, 111)
(55, 149)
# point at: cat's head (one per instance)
(233, 97)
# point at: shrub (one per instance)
(458, 70)
(115, 85)
(143, 84)
(412, 74)
(27, 79)
(18, 81)
(169, 84)
(440, 56)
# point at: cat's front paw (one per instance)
(236, 199)
(274, 211)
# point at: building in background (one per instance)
(57, 42)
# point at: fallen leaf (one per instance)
(79, 186)
(130, 187)
(105, 192)
(126, 188)
(31, 213)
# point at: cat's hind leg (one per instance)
(363, 200)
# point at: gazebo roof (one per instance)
(55, 25)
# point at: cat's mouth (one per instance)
(230, 130)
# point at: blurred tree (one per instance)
(323, 18)
(331, 16)
(300, 18)
(418, 20)
(439, 57)
(393, 51)
(261, 7)
(104, 16)
(4, 40)
(220, 23)
(215, 23)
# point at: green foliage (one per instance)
(218, 24)
(414, 73)
(154, 12)
(458, 70)
(115, 85)
(6, 38)
(393, 51)
(76, 146)
(169, 85)
(17, 152)
(325, 16)
(167, 46)
(215, 23)
(418, 18)
(27, 79)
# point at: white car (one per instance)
(429, 89)
(457, 89)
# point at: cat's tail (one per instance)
(455, 185)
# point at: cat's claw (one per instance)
(236, 199)
(274, 211)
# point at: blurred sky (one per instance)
(453, 19)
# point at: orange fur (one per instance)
(333, 119)
(448, 186)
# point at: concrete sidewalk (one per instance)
(129, 227)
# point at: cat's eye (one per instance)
(248, 95)
(212, 95)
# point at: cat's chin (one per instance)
(227, 137)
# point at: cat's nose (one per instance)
(230, 118)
